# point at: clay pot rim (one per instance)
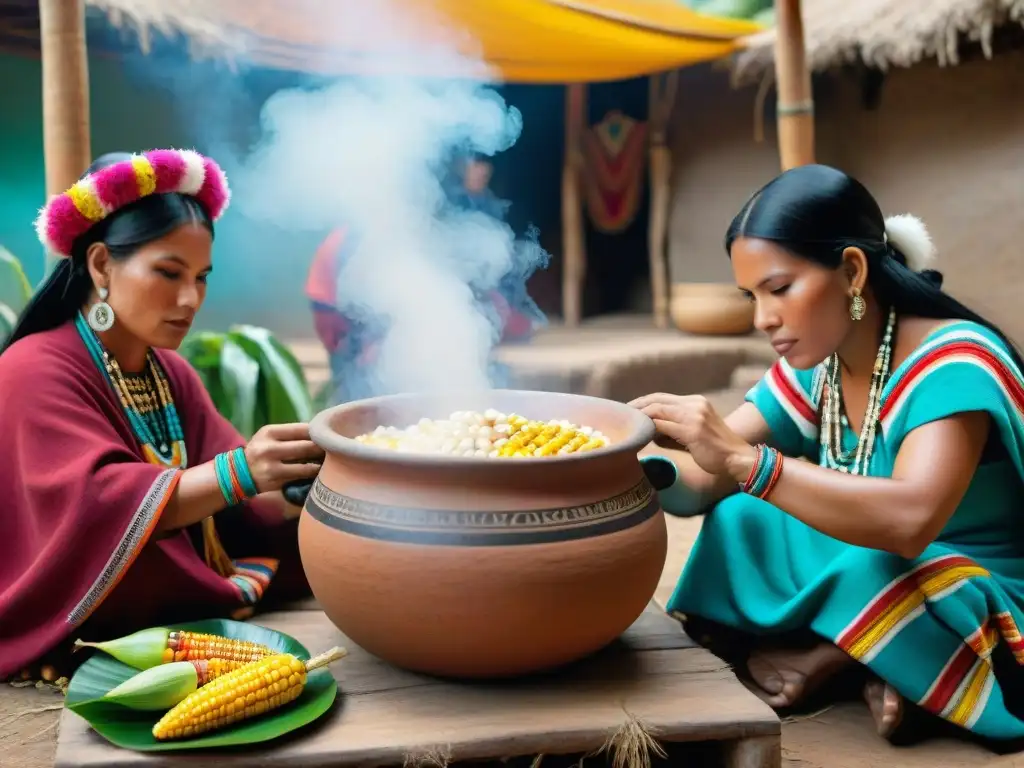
(321, 433)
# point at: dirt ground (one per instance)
(841, 737)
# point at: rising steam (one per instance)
(369, 153)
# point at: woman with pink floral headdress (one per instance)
(130, 501)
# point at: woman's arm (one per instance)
(196, 497)
(902, 514)
(276, 455)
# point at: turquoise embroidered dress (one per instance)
(943, 628)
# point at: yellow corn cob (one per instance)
(546, 435)
(552, 447)
(539, 439)
(577, 442)
(517, 444)
(189, 646)
(255, 689)
(211, 669)
(160, 645)
(517, 422)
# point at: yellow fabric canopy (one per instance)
(529, 41)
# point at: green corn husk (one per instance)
(156, 688)
(131, 730)
(142, 649)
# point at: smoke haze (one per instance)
(370, 154)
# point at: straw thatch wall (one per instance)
(883, 33)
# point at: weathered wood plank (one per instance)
(384, 714)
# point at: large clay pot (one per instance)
(482, 567)
(711, 309)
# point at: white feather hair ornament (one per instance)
(908, 235)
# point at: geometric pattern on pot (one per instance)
(474, 529)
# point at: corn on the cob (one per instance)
(250, 691)
(490, 434)
(159, 645)
(539, 439)
(163, 686)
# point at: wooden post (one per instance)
(574, 256)
(66, 146)
(660, 102)
(793, 80)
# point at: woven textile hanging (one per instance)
(614, 153)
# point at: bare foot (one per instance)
(787, 676)
(886, 706)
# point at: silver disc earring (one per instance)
(101, 316)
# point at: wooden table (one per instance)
(386, 716)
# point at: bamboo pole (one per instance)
(66, 145)
(795, 113)
(574, 257)
(660, 103)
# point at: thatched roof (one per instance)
(883, 33)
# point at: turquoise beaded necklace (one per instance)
(158, 429)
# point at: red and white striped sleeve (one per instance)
(787, 398)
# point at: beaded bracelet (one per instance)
(233, 476)
(765, 472)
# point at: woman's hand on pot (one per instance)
(280, 453)
(694, 423)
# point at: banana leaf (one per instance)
(15, 289)
(253, 379)
(15, 292)
(285, 391)
(240, 379)
(8, 319)
(131, 729)
(202, 350)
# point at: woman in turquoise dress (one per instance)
(863, 506)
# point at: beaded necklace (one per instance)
(857, 461)
(146, 401)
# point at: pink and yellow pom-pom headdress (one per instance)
(68, 216)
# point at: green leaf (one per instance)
(240, 377)
(12, 273)
(253, 379)
(131, 729)
(202, 349)
(285, 388)
(8, 319)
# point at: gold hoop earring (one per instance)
(858, 307)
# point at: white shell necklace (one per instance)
(857, 461)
